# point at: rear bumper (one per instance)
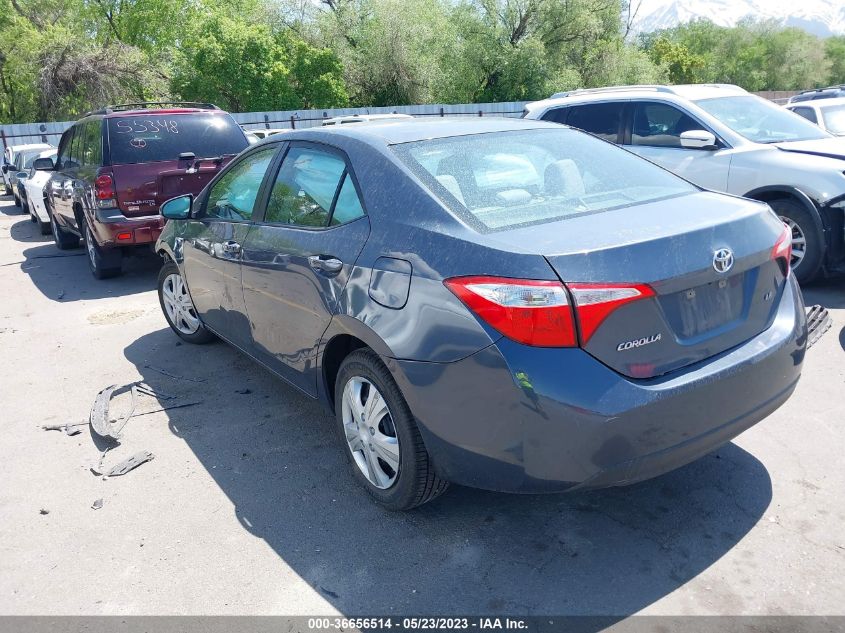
(113, 229)
(522, 419)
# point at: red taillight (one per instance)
(595, 302)
(537, 312)
(783, 248)
(104, 186)
(529, 311)
(123, 236)
(104, 190)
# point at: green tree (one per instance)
(243, 66)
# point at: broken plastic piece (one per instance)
(100, 414)
(818, 322)
(130, 463)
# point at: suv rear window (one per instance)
(155, 137)
(506, 179)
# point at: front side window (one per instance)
(64, 147)
(759, 120)
(305, 188)
(600, 119)
(834, 119)
(660, 125)
(233, 196)
(505, 179)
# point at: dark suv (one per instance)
(116, 166)
(831, 92)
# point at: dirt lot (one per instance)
(248, 506)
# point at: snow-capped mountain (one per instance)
(820, 17)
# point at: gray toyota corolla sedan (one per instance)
(499, 303)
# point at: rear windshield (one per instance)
(155, 137)
(504, 179)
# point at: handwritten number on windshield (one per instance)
(139, 126)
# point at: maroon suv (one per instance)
(115, 167)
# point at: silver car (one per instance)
(725, 139)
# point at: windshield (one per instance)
(506, 179)
(759, 120)
(834, 119)
(163, 136)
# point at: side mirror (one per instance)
(177, 208)
(5, 169)
(698, 139)
(43, 164)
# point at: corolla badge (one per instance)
(723, 260)
(648, 340)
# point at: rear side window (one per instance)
(92, 152)
(660, 125)
(309, 183)
(601, 119)
(156, 137)
(555, 115)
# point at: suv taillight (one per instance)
(104, 189)
(539, 313)
(783, 249)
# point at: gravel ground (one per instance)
(248, 507)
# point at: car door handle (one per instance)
(325, 263)
(231, 247)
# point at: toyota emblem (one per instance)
(723, 260)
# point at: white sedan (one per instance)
(34, 185)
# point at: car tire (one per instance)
(103, 263)
(807, 240)
(414, 481)
(175, 302)
(63, 239)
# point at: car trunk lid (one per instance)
(688, 310)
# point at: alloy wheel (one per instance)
(799, 241)
(370, 432)
(177, 302)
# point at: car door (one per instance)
(211, 244)
(61, 184)
(298, 257)
(655, 133)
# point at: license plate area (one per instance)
(703, 309)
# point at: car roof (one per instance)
(690, 92)
(819, 103)
(27, 146)
(409, 130)
(156, 112)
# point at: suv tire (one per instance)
(103, 263)
(64, 239)
(415, 482)
(169, 274)
(804, 231)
